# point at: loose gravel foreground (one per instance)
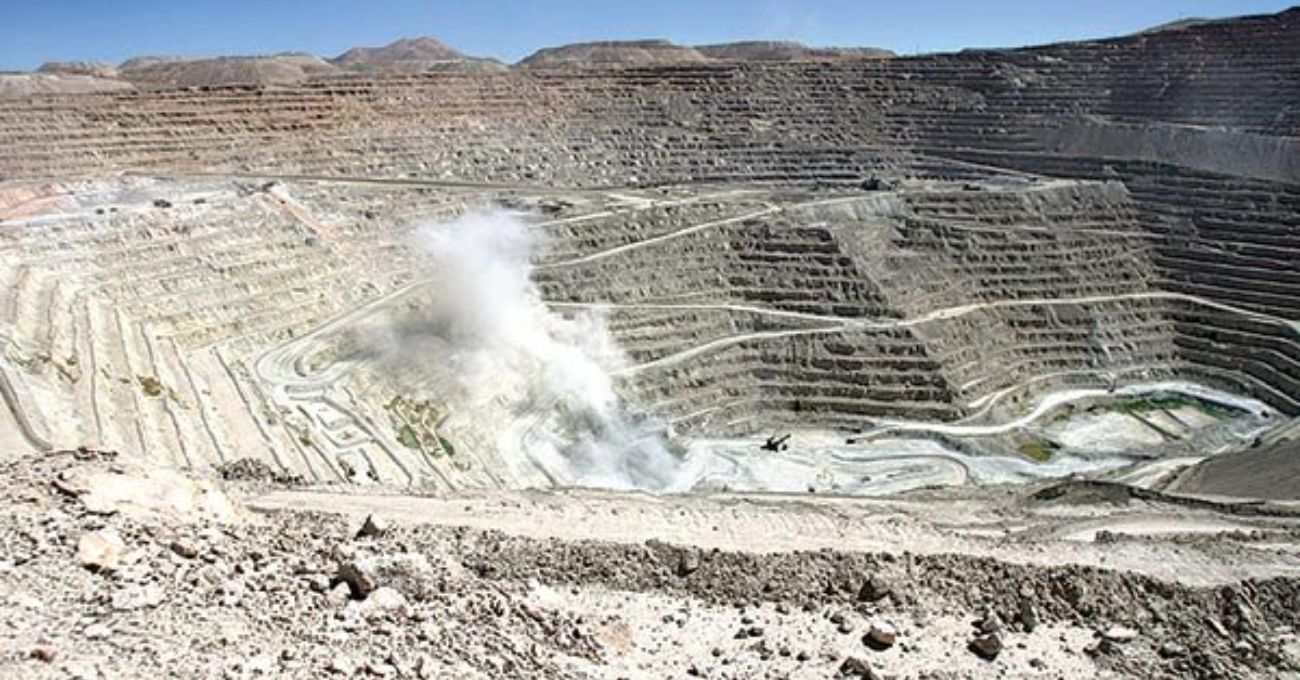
(110, 571)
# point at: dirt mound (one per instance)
(780, 50)
(1086, 492)
(614, 53)
(1017, 598)
(1270, 472)
(262, 70)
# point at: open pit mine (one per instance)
(644, 360)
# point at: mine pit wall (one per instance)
(833, 380)
(1226, 152)
(127, 329)
(1222, 237)
(1006, 260)
(603, 128)
(1237, 75)
(1052, 285)
(1061, 242)
(1200, 125)
(1225, 239)
(609, 127)
(796, 363)
(835, 258)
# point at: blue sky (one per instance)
(34, 31)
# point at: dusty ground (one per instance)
(256, 580)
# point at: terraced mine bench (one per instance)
(824, 244)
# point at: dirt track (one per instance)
(989, 523)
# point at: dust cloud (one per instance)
(498, 346)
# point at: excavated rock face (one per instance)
(942, 240)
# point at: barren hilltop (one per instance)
(405, 55)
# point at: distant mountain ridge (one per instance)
(405, 55)
(79, 68)
(661, 52)
(410, 55)
(404, 49)
(270, 69)
(613, 52)
(426, 54)
(784, 50)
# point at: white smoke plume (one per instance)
(497, 344)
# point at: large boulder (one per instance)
(875, 588)
(101, 550)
